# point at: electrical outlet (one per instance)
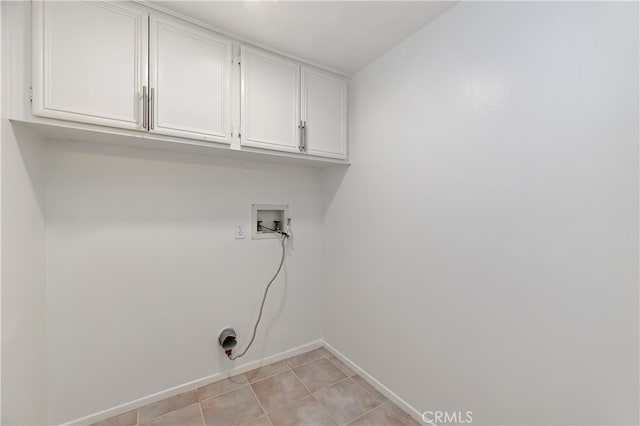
(240, 231)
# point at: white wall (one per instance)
(22, 277)
(143, 270)
(482, 249)
(1, 115)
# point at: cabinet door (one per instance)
(270, 101)
(324, 111)
(189, 81)
(90, 62)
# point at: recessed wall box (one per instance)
(268, 217)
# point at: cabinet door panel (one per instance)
(189, 76)
(90, 62)
(270, 101)
(324, 109)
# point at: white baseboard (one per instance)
(123, 408)
(404, 405)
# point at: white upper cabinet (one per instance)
(270, 101)
(90, 62)
(189, 78)
(128, 66)
(324, 114)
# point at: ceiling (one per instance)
(343, 36)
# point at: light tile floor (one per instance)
(314, 388)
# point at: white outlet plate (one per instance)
(240, 231)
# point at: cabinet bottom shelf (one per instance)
(59, 130)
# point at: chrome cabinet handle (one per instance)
(304, 138)
(301, 137)
(145, 105)
(151, 101)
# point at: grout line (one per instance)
(378, 403)
(268, 419)
(169, 412)
(264, 412)
(339, 381)
(175, 409)
(202, 414)
(327, 385)
(221, 393)
(290, 369)
(353, 373)
(292, 402)
(267, 377)
(302, 383)
(338, 367)
(305, 386)
(392, 406)
(372, 394)
(306, 362)
(381, 404)
(274, 375)
(315, 399)
(364, 414)
(326, 409)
